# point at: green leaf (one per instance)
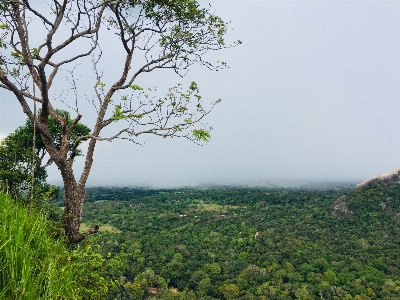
(193, 86)
(35, 52)
(181, 109)
(201, 134)
(118, 115)
(177, 127)
(100, 84)
(135, 87)
(138, 116)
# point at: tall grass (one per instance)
(32, 264)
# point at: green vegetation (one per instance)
(32, 264)
(16, 159)
(252, 243)
(232, 243)
(35, 265)
(103, 228)
(227, 243)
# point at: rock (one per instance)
(382, 177)
(340, 205)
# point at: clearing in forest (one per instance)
(214, 207)
(103, 228)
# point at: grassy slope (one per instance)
(32, 264)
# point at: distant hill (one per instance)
(386, 177)
(378, 197)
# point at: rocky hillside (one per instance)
(378, 197)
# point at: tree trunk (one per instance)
(73, 205)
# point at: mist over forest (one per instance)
(187, 150)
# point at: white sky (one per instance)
(311, 94)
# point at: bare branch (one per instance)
(145, 68)
(24, 104)
(44, 19)
(121, 27)
(73, 37)
(23, 93)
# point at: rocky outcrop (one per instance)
(394, 175)
(340, 206)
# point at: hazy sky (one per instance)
(311, 94)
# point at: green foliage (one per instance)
(100, 84)
(135, 87)
(16, 158)
(93, 280)
(32, 264)
(193, 86)
(4, 26)
(118, 114)
(18, 57)
(201, 134)
(25, 133)
(16, 166)
(35, 52)
(137, 116)
(252, 243)
(35, 265)
(183, 110)
(230, 291)
(135, 290)
(186, 29)
(168, 34)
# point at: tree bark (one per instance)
(73, 206)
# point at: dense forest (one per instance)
(219, 243)
(242, 243)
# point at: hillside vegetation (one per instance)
(252, 243)
(35, 265)
(227, 243)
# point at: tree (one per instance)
(230, 291)
(16, 166)
(24, 135)
(16, 159)
(162, 34)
